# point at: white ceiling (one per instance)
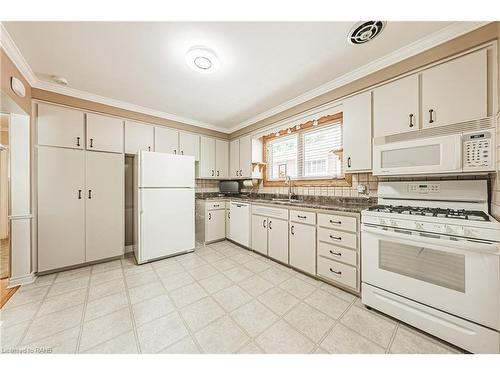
(262, 64)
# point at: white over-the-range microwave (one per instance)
(467, 152)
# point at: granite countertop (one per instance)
(344, 204)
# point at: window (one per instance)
(309, 153)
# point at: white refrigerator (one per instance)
(164, 205)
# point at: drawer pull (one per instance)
(334, 253)
(216, 205)
(335, 222)
(335, 238)
(302, 217)
(335, 272)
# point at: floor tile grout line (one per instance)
(131, 311)
(82, 322)
(393, 336)
(177, 310)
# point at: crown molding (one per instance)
(10, 48)
(432, 40)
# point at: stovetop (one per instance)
(432, 212)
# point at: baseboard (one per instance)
(22, 280)
(129, 249)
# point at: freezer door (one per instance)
(166, 223)
(157, 169)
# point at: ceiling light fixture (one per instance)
(60, 80)
(202, 60)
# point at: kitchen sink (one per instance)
(292, 200)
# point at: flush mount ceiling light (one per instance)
(202, 60)
(60, 80)
(363, 32)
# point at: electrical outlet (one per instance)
(362, 189)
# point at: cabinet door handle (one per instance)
(291, 230)
(90, 193)
(182, 152)
(241, 172)
(217, 173)
(175, 152)
(229, 215)
(335, 222)
(149, 148)
(335, 238)
(431, 120)
(334, 253)
(264, 223)
(349, 162)
(91, 142)
(213, 173)
(411, 120)
(335, 272)
(79, 194)
(270, 224)
(78, 141)
(209, 216)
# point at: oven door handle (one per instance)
(464, 245)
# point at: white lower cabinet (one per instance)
(303, 247)
(61, 207)
(259, 234)
(215, 225)
(80, 207)
(228, 221)
(278, 240)
(104, 206)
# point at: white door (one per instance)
(222, 158)
(234, 158)
(303, 247)
(246, 156)
(259, 234)
(165, 170)
(395, 107)
(356, 124)
(104, 133)
(455, 91)
(61, 207)
(138, 137)
(166, 222)
(240, 223)
(104, 205)
(215, 225)
(207, 157)
(166, 140)
(189, 144)
(60, 126)
(277, 243)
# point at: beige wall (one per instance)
(8, 70)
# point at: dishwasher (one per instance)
(240, 223)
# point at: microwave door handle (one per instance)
(469, 246)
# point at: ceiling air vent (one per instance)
(365, 31)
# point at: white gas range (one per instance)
(431, 258)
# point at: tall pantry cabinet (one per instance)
(80, 179)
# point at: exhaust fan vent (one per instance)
(365, 31)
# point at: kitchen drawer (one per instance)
(338, 272)
(210, 205)
(278, 213)
(338, 238)
(347, 223)
(337, 253)
(305, 217)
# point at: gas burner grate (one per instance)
(434, 212)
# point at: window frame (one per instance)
(344, 181)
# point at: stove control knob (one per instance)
(419, 226)
(382, 221)
(393, 223)
(453, 229)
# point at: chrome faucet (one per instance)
(288, 181)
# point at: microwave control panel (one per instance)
(478, 151)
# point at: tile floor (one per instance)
(220, 299)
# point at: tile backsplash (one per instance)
(367, 179)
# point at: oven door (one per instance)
(458, 277)
(429, 155)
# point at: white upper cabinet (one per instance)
(395, 107)
(166, 140)
(60, 126)
(246, 156)
(357, 129)
(222, 158)
(104, 133)
(455, 91)
(189, 144)
(207, 158)
(234, 158)
(138, 137)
